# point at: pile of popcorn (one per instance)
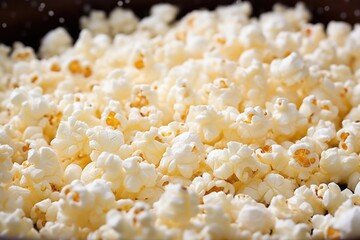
(216, 126)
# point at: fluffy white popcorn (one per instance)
(348, 136)
(122, 21)
(348, 223)
(164, 12)
(274, 155)
(184, 156)
(15, 224)
(223, 94)
(338, 165)
(332, 197)
(176, 206)
(42, 166)
(253, 123)
(85, 205)
(205, 122)
(71, 141)
(215, 125)
(303, 159)
(96, 22)
(285, 229)
(255, 218)
(150, 144)
(33, 106)
(104, 139)
(322, 229)
(236, 159)
(5, 163)
(272, 185)
(62, 231)
(206, 184)
(285, 117)
(138, 174)
(289, 71)
(55, 42)
(338, 31)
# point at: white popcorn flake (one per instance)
(55, 42)
(348, 223)
(85, 205)
(151, 145)
(176, 206)
(255, 218)
(272, 185)
(303, 159)
(289, 71)
(237, 159)
(285, 229)
(138, 174)
(71, 140)
(206, 122)
(184, 156)
(253, 124)
(15, 224)
(338, 165)
(5, 163)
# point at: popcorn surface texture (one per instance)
(216, 126)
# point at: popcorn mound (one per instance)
(217, 126)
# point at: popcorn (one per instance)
(338, 165)
(55, 42)
(96, 23)
(289, 71)
(205, 184)
(71, 141)
(223, 94)
(138, 174)
(151, 145)
(104, 139)
(184, 156)
(285, 117)
(333, 197)
(43, 166)
(253, 123)
(290, 229)
(347, 223)
(255, 218)
(216, 125)
(85, 205)
(272, 185)
(237, 159)
(16, 224)
(5, 163)
(205, 122)
(176, 206)
(303, 159)
(122, 21)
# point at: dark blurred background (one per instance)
(29, 20)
